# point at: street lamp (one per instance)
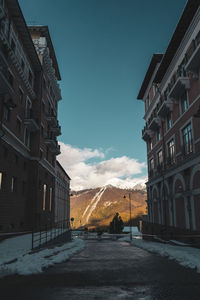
(129, 195)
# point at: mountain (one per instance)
(96, 207)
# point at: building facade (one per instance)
(171, 94)
(62, 195)
(29, 94)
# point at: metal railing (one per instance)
(50, 233)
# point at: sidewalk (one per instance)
(16, 256)
(186, 256)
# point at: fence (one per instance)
(50, 233)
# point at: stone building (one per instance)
(29, 95)
(171, 94)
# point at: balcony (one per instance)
(165, 108)
(31, 122)
(56, 149)
(182, 83)
(56, 130)
(147, 134)
(155, 123)
(193, 63)
(52, 145)
(5, 84)
(51, 119)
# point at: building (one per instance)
(171, 94)
(29, 95)
(62, 195)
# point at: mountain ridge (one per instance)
(96, 207)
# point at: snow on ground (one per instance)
(16, 258)
(186, 256)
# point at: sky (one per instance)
(103, 49)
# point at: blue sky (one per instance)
(103, 49)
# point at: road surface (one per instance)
(107, 270)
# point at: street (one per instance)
(107, 270)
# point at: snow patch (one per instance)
(94, 203)
(186, 256)
(25, 263)
(107, 203)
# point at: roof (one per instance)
(183, 24)
(156, 58)
(59, 165)
(45, 31)
(20, 23)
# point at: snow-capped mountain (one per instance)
(96, 207)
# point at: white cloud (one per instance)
(116, 171)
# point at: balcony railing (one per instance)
(193, 63)
(31, 122)
(52, 120)
(56, 129)
(50, 142)
(147, 133)
(155, 123)
(165, 106)
(5, 84)
(182, 83)
(52, 145)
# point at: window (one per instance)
(47, 154)
(148, 101)
(42, 130)
(30, 78)
(2, 181)
(22, 64)
(160, 158)
(13, 45)
(171, 152)
(50, 199)
(151, 164)
(28, 107)
(187, 139)
(41, 154)
(184, 102)
(6, 113)
(26, 137)
(150, 145)
(21, 95)
(44, 196)
(1, 176)
(158, 135)
(10, 78)
(169, 120)
(19, 125)
(13, 184)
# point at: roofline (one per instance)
(57, 162)
(156, 58)
(188, 14)
(16, 12)
(45, 30)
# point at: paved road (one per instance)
(107, 270)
